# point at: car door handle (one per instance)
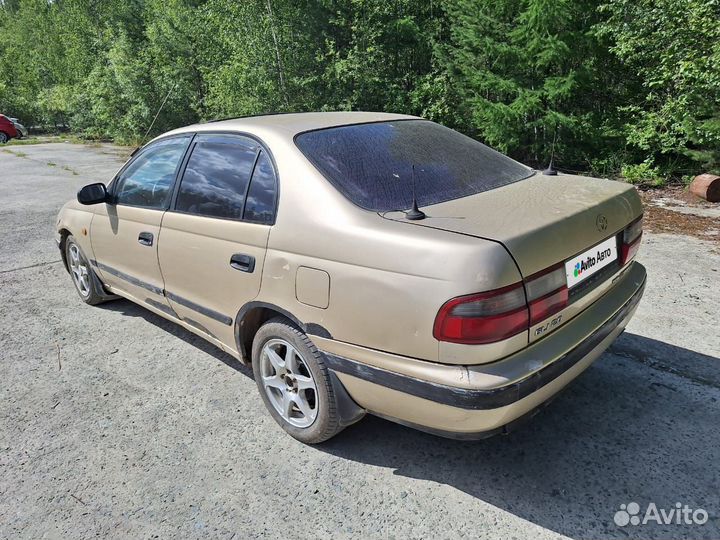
(242, 262)
(145, 238)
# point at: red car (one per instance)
(7, 129)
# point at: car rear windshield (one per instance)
(373, 164)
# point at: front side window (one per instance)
(147, 182)
(373, 165)
(217, 176)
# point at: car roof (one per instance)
(290, 124)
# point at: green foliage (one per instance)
(257, 57)
(687, 179)
(644, 173)
(374, 54)
(608, 165)
(604, 86)
(532, 79)
(674, 47)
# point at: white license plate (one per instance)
(579, 268)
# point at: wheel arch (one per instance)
(256, 313)
(64, 233)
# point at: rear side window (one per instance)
(217, 176)
(372, 164)
(260, 205)
(148, 180)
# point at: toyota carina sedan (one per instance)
(366, 262)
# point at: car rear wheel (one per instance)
(3, 137)
(84, 279)
(294, 382)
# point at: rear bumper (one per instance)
(479, 400)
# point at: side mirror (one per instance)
(93, 194)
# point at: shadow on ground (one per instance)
(634, 427)
(130, 309)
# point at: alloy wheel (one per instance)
(79, 270)
(288, 383)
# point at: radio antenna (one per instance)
(414, 213)
(550, 171)
(157, 114)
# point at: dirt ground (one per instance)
(117, 423)
(677, 211)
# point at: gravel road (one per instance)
(116, 423)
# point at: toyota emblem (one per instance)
(601, 223)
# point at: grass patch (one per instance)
(16, 153)
(51, 164)
(53, 138)
(27, 141)
(76, 139)
(69, 169)
(71, 138)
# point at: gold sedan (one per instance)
(366, 262)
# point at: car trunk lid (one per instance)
(542, 220)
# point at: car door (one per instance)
(124, 234)
(214, 237)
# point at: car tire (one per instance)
(4, 137)
(83, 277)
(303, 383)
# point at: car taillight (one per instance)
(631, 240)
(483, 318)
(547, 293)
(499, 314)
